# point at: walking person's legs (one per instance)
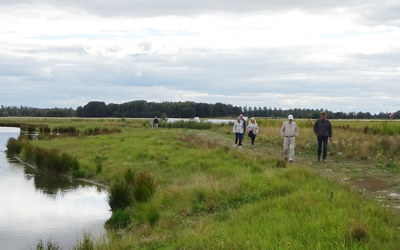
(285, 148)
(291, 149)
(319, 147)
(325, 148)
(237, 135)
(253, 138)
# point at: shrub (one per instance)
(14, 146)
(119, 219)
(359, 232)
(119, 196)
(144, 187)
(129, 177)
(153, 216)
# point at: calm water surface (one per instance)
(34, 206)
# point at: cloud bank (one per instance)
(339, 55)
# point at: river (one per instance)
(37, 207)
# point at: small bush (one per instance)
(119, 196)
(14, 146)
(129, 177)
(359, 232)
(119, 219)
(31, 129)
(144, 187)
(153, 216)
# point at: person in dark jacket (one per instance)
(323, 131)
(155, 122)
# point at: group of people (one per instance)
(240, 128)
(289, 130)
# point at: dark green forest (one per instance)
(144, 109)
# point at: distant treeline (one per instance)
(144, 109)
(36, 112)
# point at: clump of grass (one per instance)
(280, 163)
(45, 129)
(359, 232)
(49, 245)
(14, 146)
(140, 187)
(153, 216)
(144, 187)
(85, 244)
(120, 196)
(99, 163)
(52, 160)
(120, 218)
(66, 130)
(48, 160)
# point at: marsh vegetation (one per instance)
(188, 187)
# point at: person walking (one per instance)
(289, 131)
(155, 122)
(323, 131)
(238, 130)
(253, 130)
(244, 125)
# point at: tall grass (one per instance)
(48, 160)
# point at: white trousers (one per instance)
(288, 147)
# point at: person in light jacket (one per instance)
(289, 131)
(253, 130)
(238, 130)
(323, 131)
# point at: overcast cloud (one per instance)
(336, 55)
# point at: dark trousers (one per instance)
(252, 137)
(238, 136)
(322, 141)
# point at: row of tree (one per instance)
(146, 109)
(36, 112)
(152, 109)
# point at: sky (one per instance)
(339, 55)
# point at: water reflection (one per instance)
(53, 185)
(36, 206)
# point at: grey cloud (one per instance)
(370, 12)
(141, 8)
(221, 74)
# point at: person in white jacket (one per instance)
(253, 130)
(289, 130)
(238, 130)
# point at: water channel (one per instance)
(37, 207)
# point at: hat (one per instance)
(290, 117)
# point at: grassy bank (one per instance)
(211, 195)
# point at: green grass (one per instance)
(211, 195)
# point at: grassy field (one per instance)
(210, 195)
